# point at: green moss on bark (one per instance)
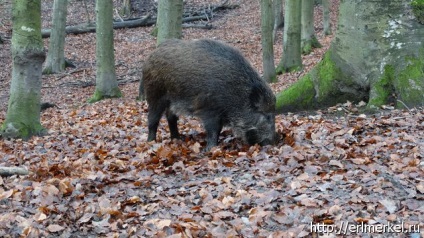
(297, 97)
(98, 95)
(282, 69)
(418, 10)
(21, 130)
(320, 88)
(409, 83)
(23, 122)
(309, 46)
(325, 75)
(382, 89)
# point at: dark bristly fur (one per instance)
(212, 81)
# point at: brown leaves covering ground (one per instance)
(94, 174)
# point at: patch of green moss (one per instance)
(326, 72)
(382, 89)
(281, 69)
(418, 10)
(309, 46)
(21, 130)
(329, 80)
(409, 83)
(98, 95)
(298, 96)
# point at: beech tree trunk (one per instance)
(377, 56)
(106, 83)
(55, 62)
(169, 22)
(278, 17)
(308, 39)
(291, 59)
(326, 6)
(267, 25)
(23, 113)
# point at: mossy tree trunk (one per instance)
(291, 59)
(267, 24)
(308, 38)
(55, 62)
(170, 20)
(23, 113)
(377, 56)
(106, 83)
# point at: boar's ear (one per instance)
(252, 136)
(256, 95)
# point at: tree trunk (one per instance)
(169, 22)
(376, 56)
(278, 17)
(106, 83)
(326, 6)
(267, 44)
(291, 59)
(126, 8)
(23, 113)
(309, 41)
(55, 62)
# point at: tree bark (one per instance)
(267, 23)
(278, 17)
(308, 39)
(169, 22)
(23, 113)
(55, 62)
(326, 6)
(291, 59)
(126, 8)
(106, 83)
(377, 56)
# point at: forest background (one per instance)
(94, 174)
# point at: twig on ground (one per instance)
(9, 171)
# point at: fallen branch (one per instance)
(201, 26)
(145, 21)
(9, 171)
(86, 28)
(84, 84)
(71, 72)
(125, 81)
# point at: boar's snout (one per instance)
(263, 133)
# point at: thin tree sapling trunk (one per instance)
(106, 83)
(267, 21)
(55, 62)
(291, 59)
(308, 38)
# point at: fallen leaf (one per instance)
(55, 228)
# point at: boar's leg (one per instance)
(155, 113)
(173, 124)
(213, 127)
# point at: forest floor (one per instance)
(94, 174)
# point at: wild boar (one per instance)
(212, 81)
